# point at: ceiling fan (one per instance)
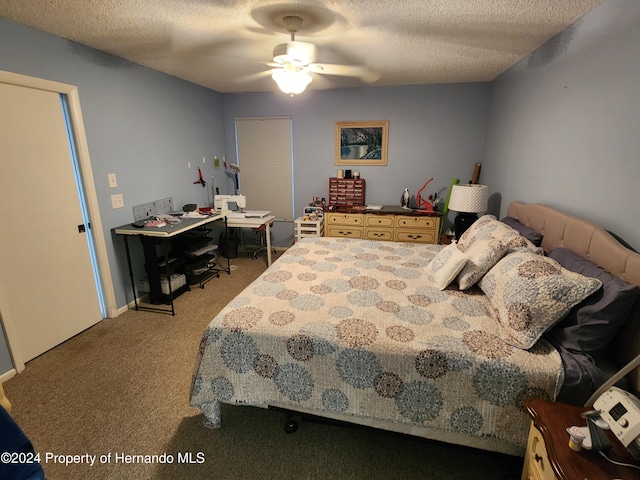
(294, 61)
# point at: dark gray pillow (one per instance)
(583, 375)
(592, 324)
(531, 235)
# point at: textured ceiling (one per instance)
(225, 45)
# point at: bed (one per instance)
(383, 334)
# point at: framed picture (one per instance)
(362, 143)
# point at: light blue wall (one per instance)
(142, 125)
(563, 127)
(434, 131)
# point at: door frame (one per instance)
(88, 183)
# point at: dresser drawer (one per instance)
(351, 219)
(347, 231)
(423, 223)
(378, 234)
(537, 466)
(386, 221)
(415, 236)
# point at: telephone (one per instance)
(621, 411)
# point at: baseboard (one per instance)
(142, 299)
(131, 305)
(8, 375)
(121, 310)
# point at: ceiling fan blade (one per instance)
(251, 77)
(362, 73)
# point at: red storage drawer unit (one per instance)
(346, 192)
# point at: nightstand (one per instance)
(549, 456)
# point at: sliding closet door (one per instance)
(47, 289)
(265, 161)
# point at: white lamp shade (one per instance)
(470, 198)
(292, 81)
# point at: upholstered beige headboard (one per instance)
(598, 246)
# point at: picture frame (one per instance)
(362, 143)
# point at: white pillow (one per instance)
(446, 265)
(481, 256)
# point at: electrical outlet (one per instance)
(113, 181)
(117, 201)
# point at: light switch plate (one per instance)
(117, 201)
(113, 181)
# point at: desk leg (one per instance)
(133, 283)
(168, 271)
(226, 234)
(152, 268)
(268, 234)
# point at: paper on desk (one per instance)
(155, 223)
(194, 214)
(256, 213)
(172, 219)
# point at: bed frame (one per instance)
(559, 230)
(600, 247)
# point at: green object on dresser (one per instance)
(445, 210)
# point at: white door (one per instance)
(47, 288)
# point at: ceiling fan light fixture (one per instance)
(301, 52)
(292, 80)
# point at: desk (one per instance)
(148, 237)
(255, 222)
(168, 230)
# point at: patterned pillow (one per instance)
(530, 293)
(488, 226)
(446, 265)
(481, 256)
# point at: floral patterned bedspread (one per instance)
(356, 327)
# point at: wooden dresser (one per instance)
(391, 223)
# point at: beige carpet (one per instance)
(121, 388)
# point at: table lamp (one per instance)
(468, 201)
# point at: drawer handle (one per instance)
(344, 233)
(415, 236)
(538, 458)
